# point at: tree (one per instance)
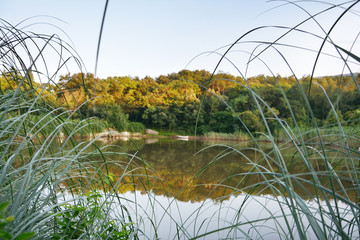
(298, 106)
(162, 79)
(333, 119)
(353, 117)
(240, 99)
(224, 122)
(274, 98)
(251, 121)
(191, 117)
(114, 115)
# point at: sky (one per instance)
(143, 37)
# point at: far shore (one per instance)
(115, 135)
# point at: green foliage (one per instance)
(167, 102)
(224, 122)
(41, 152)
(137, 127)
(5, 222)
(235, 136)
(334, 118)
(91, 125)
(88, 219)
(353, 117)
(192, 115)
(251, 121)
(114, 115)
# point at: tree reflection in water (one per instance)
(199, 170)
(191, 187)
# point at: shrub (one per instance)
(88, 219)
(114, 115)
(136, 127)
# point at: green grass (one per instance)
(231, 136)
(46, 170)
(55, 185)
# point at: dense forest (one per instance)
(190, 101)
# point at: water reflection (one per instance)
(240, 217)
(196, 170)
(183, 189)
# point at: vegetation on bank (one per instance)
(192, 102)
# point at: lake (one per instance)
(188, 188)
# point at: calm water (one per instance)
(193, 187)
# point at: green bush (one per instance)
(5, 222)
(114, 115)
(252, 121)
(88, 219)
(136, 127)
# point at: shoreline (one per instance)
(114, 135)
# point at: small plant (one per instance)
(88, 219)
(5, 221)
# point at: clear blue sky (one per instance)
(154, 37)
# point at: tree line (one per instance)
(190, 101)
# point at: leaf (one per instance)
(25, 236)
(3, 206)
(349, 53)
(111, 176)
(5, 235)
(10, 219)
(107, 181)
(2, 224)
(312, 220)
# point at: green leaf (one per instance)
(10, 219)
(3, 206)
(107, 181)
(5, 235)
(2, 224)
(111, 176)
(349, 53)
(25, 236)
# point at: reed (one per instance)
(330, 154)
(46, 170)
(227, 136)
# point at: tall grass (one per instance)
(60, 187)
(235, 136)
(330, 154)
(46, 171)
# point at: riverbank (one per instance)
(309, 135)
(116, 135)
(113, 135)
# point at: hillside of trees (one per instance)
(190, 100)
